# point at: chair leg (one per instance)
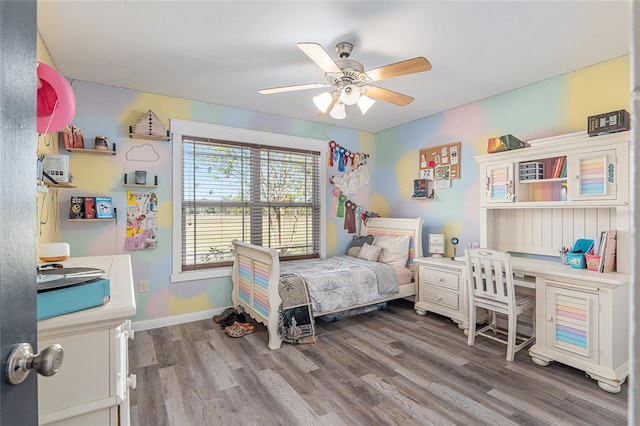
(511, 338)
(471, 333)
(533, 322)
(494, 322)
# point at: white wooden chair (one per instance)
(491, 286)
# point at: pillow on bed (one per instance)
(359, 242)
(369, 252)
(395, 250)
(354, 251)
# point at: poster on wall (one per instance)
(142, 221)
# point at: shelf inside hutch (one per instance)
(542, 180)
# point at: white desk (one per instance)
(92, 384)
(582, 316)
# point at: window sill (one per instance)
(200, 275)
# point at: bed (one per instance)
(258, 277)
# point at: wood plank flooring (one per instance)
(389, 367)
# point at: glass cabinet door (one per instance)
(594, 176)
(499, 183)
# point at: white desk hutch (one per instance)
(536, 217)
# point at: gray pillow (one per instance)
(359, 241)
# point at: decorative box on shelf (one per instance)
(610, 122)
(531, 170)
(504, 143)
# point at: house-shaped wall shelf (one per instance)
(149, 127)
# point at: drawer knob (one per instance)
(549, 318)
(439, 298)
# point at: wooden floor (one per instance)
(389, 367)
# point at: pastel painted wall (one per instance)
(551, 107)
(548, 108)
(109, 111)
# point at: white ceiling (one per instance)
(222, 52)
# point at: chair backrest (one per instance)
(490, 275)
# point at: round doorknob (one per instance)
(22, 361)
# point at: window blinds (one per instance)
(264, 195)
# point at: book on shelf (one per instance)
(420, 188)
(104, 208)
(563, 171)
(76, 211)
(608, 260)
(599, 249)
(558, 166)
(89, 208)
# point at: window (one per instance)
(257, 187)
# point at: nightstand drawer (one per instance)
(429, 294)
(439, 278)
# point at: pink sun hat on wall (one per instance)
(56, 103)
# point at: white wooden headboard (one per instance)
(395, 227)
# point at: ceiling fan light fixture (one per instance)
(338, 111)
(322, 101)
(364, 103)
(350, 94)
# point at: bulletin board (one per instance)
(441, 155)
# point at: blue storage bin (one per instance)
(576, 255)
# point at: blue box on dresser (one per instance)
(77, 297)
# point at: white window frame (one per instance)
(180, 128)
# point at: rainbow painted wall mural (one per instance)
(552, 107)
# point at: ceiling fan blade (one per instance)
(335, 98)
(410, 66)
(388, 96)
(292, 88)
(319, 56)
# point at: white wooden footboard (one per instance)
(255, 277)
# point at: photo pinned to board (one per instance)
(443, 176)
(427, 174)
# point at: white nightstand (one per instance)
(441, 289)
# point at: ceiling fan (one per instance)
(351, 84)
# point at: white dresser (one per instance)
(441, 289)
(92, 386)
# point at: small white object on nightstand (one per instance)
(436, 245)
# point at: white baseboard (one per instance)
(175, 320)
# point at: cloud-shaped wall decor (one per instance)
(143, 153)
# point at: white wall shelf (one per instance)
(139, 186)
(110, 219)
(93, 151)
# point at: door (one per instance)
(18, 403)
(594, 176)
(499, 183)
(571, 322)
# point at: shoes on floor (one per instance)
(224, 315)
(236, 324)
(232, 318)
(238, 329)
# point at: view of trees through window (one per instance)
(262, 195)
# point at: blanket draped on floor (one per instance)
(296, 318)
